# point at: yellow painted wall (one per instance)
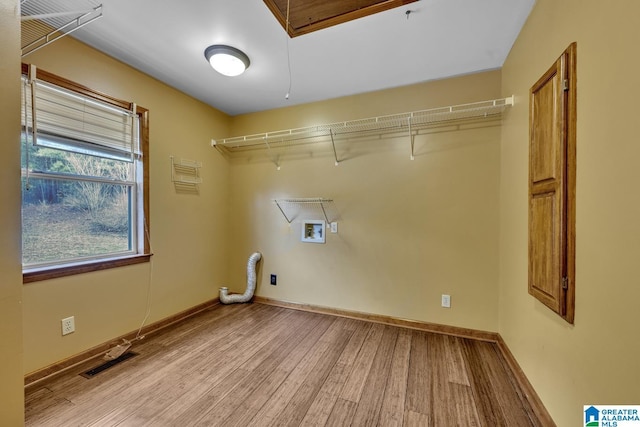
(188, 232)
(454, 220)
(409, 231)
(11, 383)
(595, 361)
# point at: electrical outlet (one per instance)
(334, 227)
(68, 325)
(274, 280)
(446, 301)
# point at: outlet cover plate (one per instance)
(446, 301)
(68, 325)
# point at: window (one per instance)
(84, 179)
(552, 186)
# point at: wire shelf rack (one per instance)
(45, 21)
(404, 122)
(290, 207)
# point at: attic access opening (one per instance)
(306, 16)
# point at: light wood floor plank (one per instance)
(416, 419)
(487, 406)
(516, 412)
(289, 388)
(163, 391)
(355, 383)
(174, 373)
(445, 393)
(187, 363)
(322, 405)
(213, 412)
(392, 410)
(296, 367)
(419, 378)
(456, 365)
(258, 365)
(342, 413)
(215, 380)
(464, 405)
(304, 396)
(368, 410)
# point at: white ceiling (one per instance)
(440, 38)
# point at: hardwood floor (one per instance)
(259, 365)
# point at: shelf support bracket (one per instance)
(282, 211)
(411, 137)
(274, 160)
(324, 212)
(333, 144)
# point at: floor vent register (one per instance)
(106, 365)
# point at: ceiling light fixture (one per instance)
(227, 60)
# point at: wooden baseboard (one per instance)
(529, 392)
(387, 320)
(35, 377)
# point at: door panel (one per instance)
(552, 164)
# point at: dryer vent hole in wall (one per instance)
(274, 280)
(106, 365)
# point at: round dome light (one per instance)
(227, 60)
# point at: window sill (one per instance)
(40, 274)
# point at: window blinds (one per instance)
(73, 122)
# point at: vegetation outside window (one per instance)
(84, 187)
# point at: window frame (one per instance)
(41, 273)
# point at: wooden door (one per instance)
(552, 186)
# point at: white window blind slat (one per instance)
(84, 123)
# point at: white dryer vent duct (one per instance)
(225, 298)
